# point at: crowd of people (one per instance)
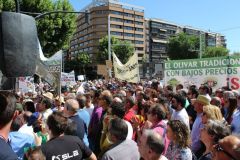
(113, 120)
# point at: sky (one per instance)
(221, 16)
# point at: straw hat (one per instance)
(203, 100)
(61, 99)
(48, 95)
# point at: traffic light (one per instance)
(86, 17)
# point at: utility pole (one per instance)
(109, 45)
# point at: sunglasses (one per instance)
(218, 148)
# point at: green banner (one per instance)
(216, 72)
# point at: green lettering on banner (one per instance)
(201, 71)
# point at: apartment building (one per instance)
(159, 31)
(126, 23)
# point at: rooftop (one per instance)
(96, 3)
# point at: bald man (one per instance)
(71, 108)
(227, 148)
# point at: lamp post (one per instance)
(109, 45)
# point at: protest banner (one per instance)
(54, 64)
(128, 72)
(215, 72)
(26, 84)
(80, 77)
(68, 79)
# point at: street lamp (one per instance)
(109, 45)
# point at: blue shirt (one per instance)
(235, 125)
(84, 115)
(19, 141)
(6, 152)
(195, 134)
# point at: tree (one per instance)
(183, 46)
(215, 52)
(236, 54)
(79, 63)
(122, 49)
(55, 30)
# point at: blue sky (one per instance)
(220, 16)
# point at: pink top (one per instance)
(161, 128)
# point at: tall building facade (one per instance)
(159, 31)
(126, 23)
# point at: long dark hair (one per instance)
(231, 108)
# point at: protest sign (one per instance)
(26, 84)
(129, 71)
(81, 77)
(215, 72)
(101, 69)
(68, 79)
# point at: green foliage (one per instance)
(78, 63)
(102, 55)
(122, 49)
(215, 52)
(183, 46)
(83, 58)
(236, 54)
(7, 5)
(55, 30)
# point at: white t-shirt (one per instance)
(163, 157)
(182, 116)
(90, 109)
(130, 130)
(27, 130)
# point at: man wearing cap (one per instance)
(197, 125)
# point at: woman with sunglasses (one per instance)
(227, 148)
(210, 134)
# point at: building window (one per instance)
(139, 48)
(116, 26)
(117, 13)
(100, 12)
(138, 17)
(138, 35)
(116, 19)
(138, 42)
(128, 34)
(117, 33)
(138, 23)
(128, 21)
(139, 29)
(128, 14)
(128, 28)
